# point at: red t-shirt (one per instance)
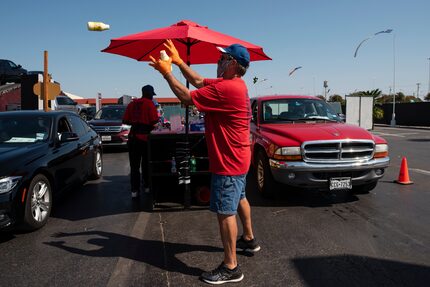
(141, 112)
(227, 119)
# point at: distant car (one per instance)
(65, 103)
(108, 124)
(41, 155)
(91, 112)
(10, 72)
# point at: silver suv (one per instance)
(67, 104)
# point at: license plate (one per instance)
(339, 183)
(106, 138)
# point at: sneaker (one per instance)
(247, 245)
(222, 275)
(134, 194)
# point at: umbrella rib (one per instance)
(118, 46)
(155, 47)
(186, 43)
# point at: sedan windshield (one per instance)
(110, 113)
(24, 129)
(297, 110)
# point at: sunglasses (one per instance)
(225, 57)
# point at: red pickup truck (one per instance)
(300, 141)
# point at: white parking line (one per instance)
(422, 171)
(393, 135)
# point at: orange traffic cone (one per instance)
(404, 173)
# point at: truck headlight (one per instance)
(288, 153)
(8, 183)
(381, 150)
(125, 128)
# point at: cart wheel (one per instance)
(203, 195)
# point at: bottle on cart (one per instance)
(193, 163)
(173, 167)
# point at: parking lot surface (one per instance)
(97, 236)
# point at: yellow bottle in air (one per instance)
(97, 26)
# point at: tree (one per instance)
(412, 99)
(321, 97)
(337, 98)
(427, 98)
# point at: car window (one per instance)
(63, 126)
(110, 113)
(86, 126)
(77, 126)
(64, 101)
(297, 109)
(12, 65)
(24, 129)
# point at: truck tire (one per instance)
(266, 185)
(364, 189)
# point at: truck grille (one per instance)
(338, 151)
(107, 129)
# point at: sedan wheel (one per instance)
(38, 203)
(97, 166)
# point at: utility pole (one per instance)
(418, 90)
(429, 77)
(325, 85)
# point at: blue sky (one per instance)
(320, 36)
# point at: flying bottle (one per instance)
(97, 26)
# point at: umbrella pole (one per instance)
(187, 195)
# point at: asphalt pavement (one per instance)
(97, 236)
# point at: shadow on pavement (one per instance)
(156, 253)
(351, 270)
(107, 196)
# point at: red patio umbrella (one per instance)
(195, 43)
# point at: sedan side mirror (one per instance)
(68, 137)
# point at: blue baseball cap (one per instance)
(238, 52)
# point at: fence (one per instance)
(408, 114)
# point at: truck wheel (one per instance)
(266, 185)
(364, 189)
(97, 169)
(83, 115)
(38, 203)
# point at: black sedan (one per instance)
(41, 155)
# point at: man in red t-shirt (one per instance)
(226, 105)
(141, 114)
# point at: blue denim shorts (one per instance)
(226, 192)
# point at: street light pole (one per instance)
(393, 116)
(418, 90)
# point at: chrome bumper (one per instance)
(305, 174)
